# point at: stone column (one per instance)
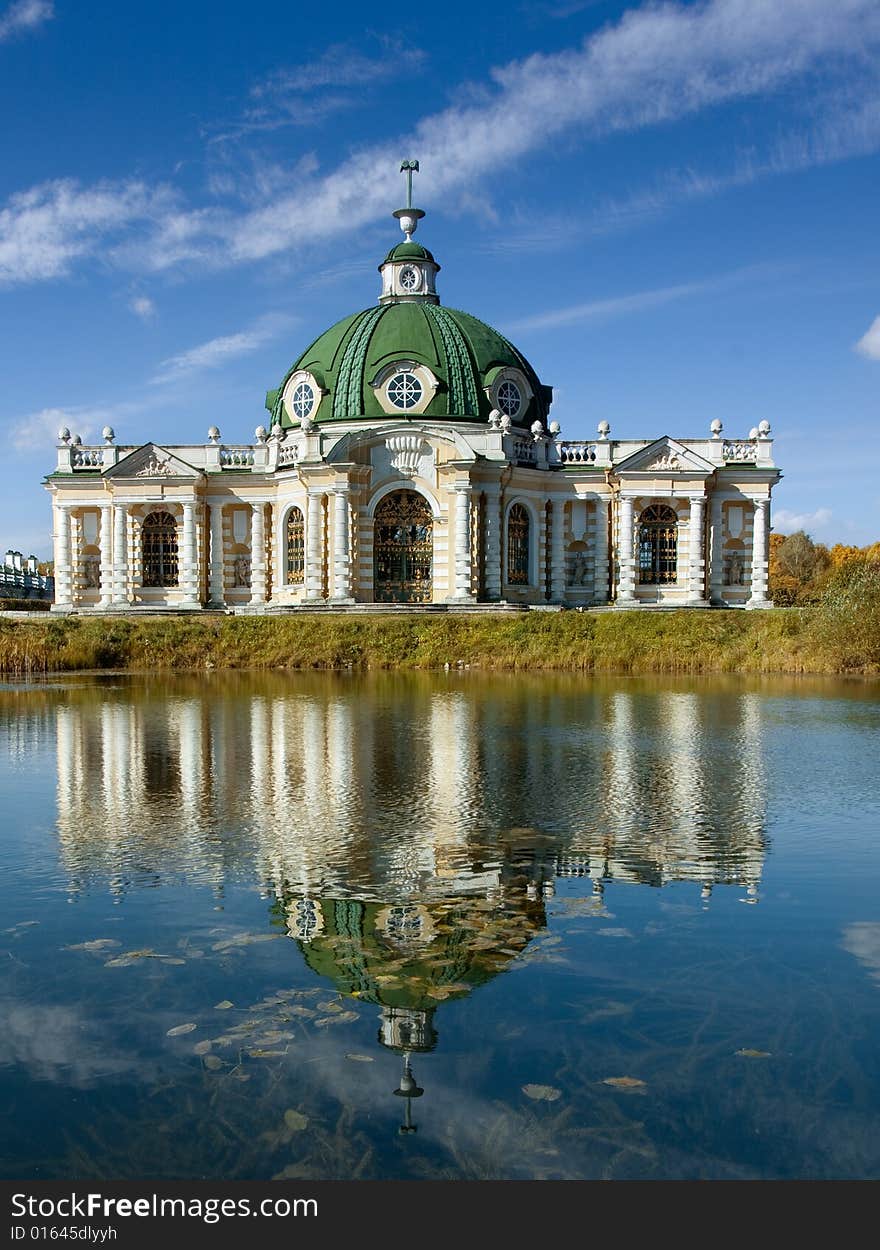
(189, 563)
(557, 550)
(120, 553)
(62, 555)
(106, 557)
(600, 551)
(492, 542)
(216, 587)
(341, 558)
(696, 561)
(759, 555)
(315, 547)
(258, 553)
(716, 550)
(463, 542)
(626, 580)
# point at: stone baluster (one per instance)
(258, 553)
(557, 550)
(217, 588)
(600, 551)
(341, 556)
(696, 560)
(315, 547)
(716, 550)
(62, 554)
(760, 530)
(463, 542)
(106, 556)
(492, 542)
(626, 580)
(120, 553)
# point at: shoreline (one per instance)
(784, 641)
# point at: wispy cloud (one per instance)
(869, 344)
(142, 306)
(45, 229)
(641, 301)
(24, 16)
(785, 522)
(306, 94)
(35, 431)
(657, 65)
(218, 351)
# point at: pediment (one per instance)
(153, 461)
(665, 456)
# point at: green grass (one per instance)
(781, 641)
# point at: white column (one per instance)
(716, 550)
(189, 564)
(120, 553)
(106, 556)
(341, 560)
(759, 555)
(258, 553)
(463, 542)
(557, 550)
(492, 544)
(600, 551)
(314, 547)
(216, 590)
(62, 554)
(626, 581)
(696, 560)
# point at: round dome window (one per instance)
(404, 390)
(509, 398)
(303, 400)
(409, 278)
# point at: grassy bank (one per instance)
(783, 641)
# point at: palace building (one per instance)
(409, 457)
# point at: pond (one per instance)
(439, 926)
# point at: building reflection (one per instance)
(408, 833)
(392, 790)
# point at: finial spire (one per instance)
(409, 216)
(409, 168)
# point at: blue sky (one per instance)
(671, 208)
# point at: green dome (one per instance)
(409, 251)
(462, 352)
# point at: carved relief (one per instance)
(668, 460)
(157, 466)
(406, 451)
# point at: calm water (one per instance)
(439, 927)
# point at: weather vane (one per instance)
(409, 217)
(409, 168)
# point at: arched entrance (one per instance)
(403, 549)
(658, 545)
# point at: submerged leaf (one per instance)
(213, 1062)
(224, 1006)
(748, 1053)
(202, 1048)
(542, 1093)
(624, 1082)
(295, 1120)
(99, 944)
(181, 1028)
(360, 1058)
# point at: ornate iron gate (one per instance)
(403, 549)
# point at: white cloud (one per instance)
(639, 301)
(46, 228)
(785, 522)
(23, 16)
(142, 306)
(869, 344)
(656, 65)
(218, 351)
(38, 430)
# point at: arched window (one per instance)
(159, 540)
(296, 548)
(518, 527)
(658, 545)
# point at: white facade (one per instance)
(507, 517)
